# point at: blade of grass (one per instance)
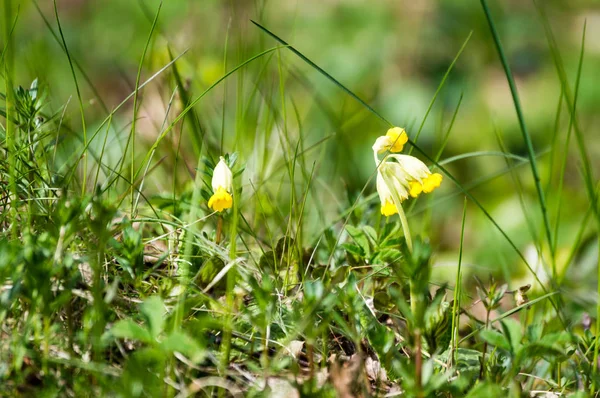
(457, 289)
(565, 148)
(587, 169)
(315, 66)
(449, 130)
(167, 112)
(440, 88)
(8, 35)
(197, 132)
(524, 131)
(79, 99)
(135, 107)
(199, 97)
(75, 62)
(476, 154)
(519, 191)
(441, 150)
(553, 146)
(224, 86)
(11, 130)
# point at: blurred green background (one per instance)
(393, 54)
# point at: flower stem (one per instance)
(405, 227)
(414, 308)
(219, 230)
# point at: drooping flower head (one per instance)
(401, 176)
(222, 185)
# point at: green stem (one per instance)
(11, 130)
(485, 345)
(414, 297)
(405, 227)
(231, 281)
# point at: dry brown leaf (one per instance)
(348, 378)
(374, 370)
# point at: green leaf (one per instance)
(153, 310)
(468, 362)
(353, 249)
(184, 344)
(540, 350)
(534, 332)
(385, 256)
(486, 389)
(128, 329)
(360, 238)
(496, 339)
(513, 330)
(370, 233)
(556, 338)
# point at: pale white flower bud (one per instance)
(222, 177)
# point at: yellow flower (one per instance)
(401, 176)
(388, 207)
(222, 185)
(392, 141)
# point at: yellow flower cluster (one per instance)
(400, 176)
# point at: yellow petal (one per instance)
(388, 208)
(398, 137)
(432, 182)
(220, 200)
(415, 189)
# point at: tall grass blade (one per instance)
(11, 128)
(457, 290)
(523, 126)
(437, 91)
(81, 70)
(79, 98)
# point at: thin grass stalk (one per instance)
(75, 62)
(224, 87)
(143, 177)
(439, 88)
(183, 269)
(79, 98)
(519, 188)
(135, 108)
(587, 170)
(553, 145)
(445, 139)
(457, 288)
(11, 128)
(8, 35)
(585, 160)
(524, 131)
(563, 167)
(108, 126)
(195, 101)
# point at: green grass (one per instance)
(117, 279)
